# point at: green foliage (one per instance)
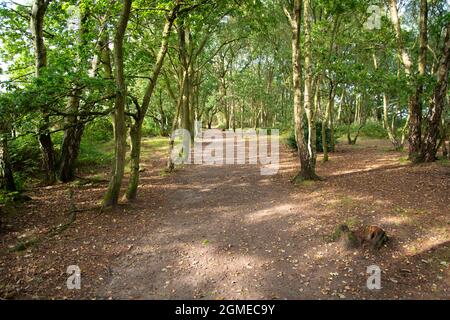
(292, 143)
(25, 157)
(20, 180)
(100, 130)
(7, 198)
(93, 154)
(150, 129)
(96, 144)
(95, 149)
(444, 162)
(319, 144)
(371, 129)
(240, 54)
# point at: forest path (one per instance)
(216, 226)
(227, 232)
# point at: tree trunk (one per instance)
(437, 103)
(388, 128)
(331, 121)
(404, 130)
(170, 165)
(38, 10)
(341, 104)
(296, 76)
(73, 134)
(358, 109)
(225, 103)
(324, 135)
(164, 131)
(71, 140)
(112, 195)
(307, 164)
(185, 110)
(242, 115)
(445, 150)
(5, 164)
(135, 156)
(69, 152)
(325, 121)
(309, 172)
(445, 145)
(136, 129)
(48, 155)
(191, 101)
(414, 105)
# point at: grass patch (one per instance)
(371, 129)
(392, 149)
(95, 153)
(407, 212)
(23, 245)
(92, 179)
(156, 145)
(347, 201)
(443, 162)
(303, 183)
(404, 160)
(337, 233)
(352, 222)
(358, 146)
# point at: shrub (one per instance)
(7, 197)
(95, 146)
(371, 129)
(292, 142)
(100, 130)
(25, 157)
(151, 129)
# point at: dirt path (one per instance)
(226, 232)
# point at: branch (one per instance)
(218, 50)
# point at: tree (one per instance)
(6, 170)
(437, 103)
(423, 148)
(73, 133)
(306, 145)
(141, 110)
(118, 167)
(414, 104)
(40, 52)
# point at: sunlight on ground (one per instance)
(267, 214)
(390, 220)
(157, 145)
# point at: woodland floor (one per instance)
(227, 232)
